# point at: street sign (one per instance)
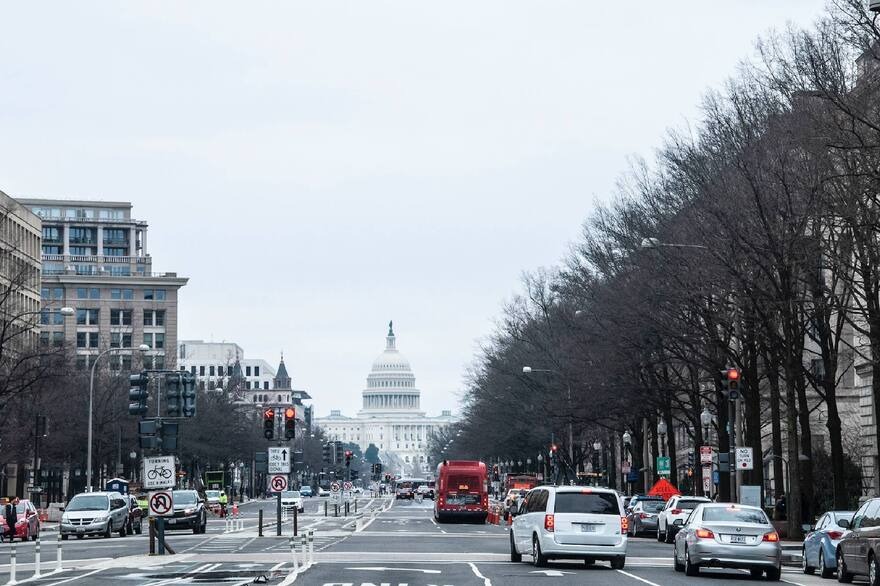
(744, 459)
(278, 483)
(161, 503)
(707, 479)
(633, 475)
(159, 472)
(716, 478)
(346, 486)
(279, 460)
(663, 465)
(705, 454)
(334, 487)
(335, 494)
(625, 467)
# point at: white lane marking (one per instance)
(486, 581)
(384, 569)
(634, 577)
(76, 577)
(277, 566)
(795, 583)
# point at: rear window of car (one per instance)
(653, 506)
(688, 504)
(597, 503)
(734, 515)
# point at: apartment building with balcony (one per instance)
(95, 259)
(20, 264)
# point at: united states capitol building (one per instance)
(390, 417)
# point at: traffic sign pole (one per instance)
(278, 515)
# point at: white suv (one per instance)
(678, 507)
(570, 522)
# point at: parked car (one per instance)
(636, 499)
(820, 544)
(189, 512)
(323, 492)
(27, 524)
(727, 535)
(212, 501)
(678, 507)
(426, 491)
(643, 517)
(570, 522)
(858, 549)
(292, 499)
(135, 515)
(305, 490)
(95, 513)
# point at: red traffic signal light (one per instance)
(553, 448)
(289, 423)
(269, 423)
(269, 414)
(732, 374)
(289, 413)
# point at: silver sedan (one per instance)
(728, 535)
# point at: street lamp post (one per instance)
(541, 464)
(597, 446)
(661, 433)
(706, 421)
(627, 449)
(142, 348)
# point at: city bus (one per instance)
(461, 491)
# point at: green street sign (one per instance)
(663, 465)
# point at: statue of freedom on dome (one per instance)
(391, 328)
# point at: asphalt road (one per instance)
(397, 546)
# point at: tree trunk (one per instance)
(793, 503)
(805, 513)
(779, 479)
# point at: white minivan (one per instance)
(570, 522)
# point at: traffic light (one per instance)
(732, 375)
(337, 452)
(347, 458)
(307, 417)
(326, 455)
(269, 423)
(172, 394)
(188, 394)
(289, 423)
(690, 459)
(138, 394)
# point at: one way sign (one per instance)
(279, 461)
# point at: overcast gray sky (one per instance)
(319, 168)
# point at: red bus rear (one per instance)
(461, 491)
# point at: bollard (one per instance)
(295, 520)
(311, 534)
(293, 554)
(335, 510)
(355, 505)
(304, 547)
(260, 523)
(58, 559)
(152, 525)
(12, 579)
(325, 508)
(37, 557)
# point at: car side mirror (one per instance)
(843, 524)
(678, 522)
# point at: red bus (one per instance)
(461, 491)
(524, 481)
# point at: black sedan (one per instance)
(189, 512)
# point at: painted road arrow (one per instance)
(556, 573)
(377, 569)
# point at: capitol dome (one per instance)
(391, 384)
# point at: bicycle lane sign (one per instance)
(159, 472)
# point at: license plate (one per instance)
(585, 528)
(81, 529)
(171, 521)
(737, 539)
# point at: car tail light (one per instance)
(706, 534)
(835, 534)
(772, 537)
(624, 524)
(549, 523)
(676, 511)
(643, 515)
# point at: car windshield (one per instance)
(184, 497)
(91, 502)
(652, 506)
(597, 503)
(290, 494)
(212, 494)
(688, 505)
(838, 517)
(734, 515)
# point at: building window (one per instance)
(121, 293)
(154, 317)
(114, 252)
(265, 385)
(82, 235)
(247, 370)
(58, 293)
(219, 371)
(51, 234)
(87, 317)
(114, 236)
(211, 370)
(247, 385)
(120, 340)
(192, 369)
(157, 342)
(87, 339)
(154, 294)
(120, 317)
(256, 371)
(202, 370)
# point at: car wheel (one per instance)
(139, 527)
(661, 536)
(618, 563)
(679, 567)
(108, 533)
(123, 531)
(80, 536)
(805, 567)
(873, 571)
(774, 574)
(538, 558)
(589, 561)
(756, 572)
(689, 568)
(824, 570)
(843, 575)
(668, 537)
(64, 537)
(515, 556)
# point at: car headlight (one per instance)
(189, 511)
(101, 518)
